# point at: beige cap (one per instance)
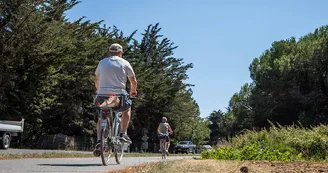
(115, 48)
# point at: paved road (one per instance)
(29, 151)
(74, 164)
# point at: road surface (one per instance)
(66, 165)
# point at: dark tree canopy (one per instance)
(47, 72)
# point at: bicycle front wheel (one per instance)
(105, 150)
(164, 150)
(119, 147)
(118, 152)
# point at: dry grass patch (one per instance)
(45, 155)
(222, 166)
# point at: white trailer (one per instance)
(8, 130)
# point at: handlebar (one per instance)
(165, 134)
(115, 95)
(110, 95)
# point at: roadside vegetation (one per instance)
(290, 143)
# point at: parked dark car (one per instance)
(185, 147)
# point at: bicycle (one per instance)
(110, 131)
(163, 139)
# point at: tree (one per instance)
(47, 71)
(184, 118)
(200, 131)
(161, 79)
(289, 85)
(215, 124)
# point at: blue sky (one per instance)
(221, 38)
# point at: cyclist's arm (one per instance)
(97, 82)
(132, 78)
(170, 129)
(133, 86)
(97, 74)
(158, 129)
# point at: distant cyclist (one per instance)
(163, 132)
(111, 77)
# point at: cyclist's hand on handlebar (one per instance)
(133, 93)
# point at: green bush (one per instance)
(278, 143)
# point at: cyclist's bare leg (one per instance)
(125, 119)
(98, 128)
(160, 145)
(96, 151)
(168, 145)
(125, 123)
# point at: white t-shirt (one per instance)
(164, 128)
(113, 73)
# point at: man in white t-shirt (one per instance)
(111, 77)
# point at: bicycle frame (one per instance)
(111, 122)
(115, 123)
(164, 148)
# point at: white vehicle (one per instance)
(9, 129)
(204, 147)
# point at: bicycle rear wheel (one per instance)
(105, 150)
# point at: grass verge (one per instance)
(7, 156)
(44, 155)
(226, 166)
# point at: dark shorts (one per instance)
(166, 137)
(125, 102)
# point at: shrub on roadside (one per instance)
(278, 143)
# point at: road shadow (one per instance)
(73, 165)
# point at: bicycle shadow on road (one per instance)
(73, 165)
